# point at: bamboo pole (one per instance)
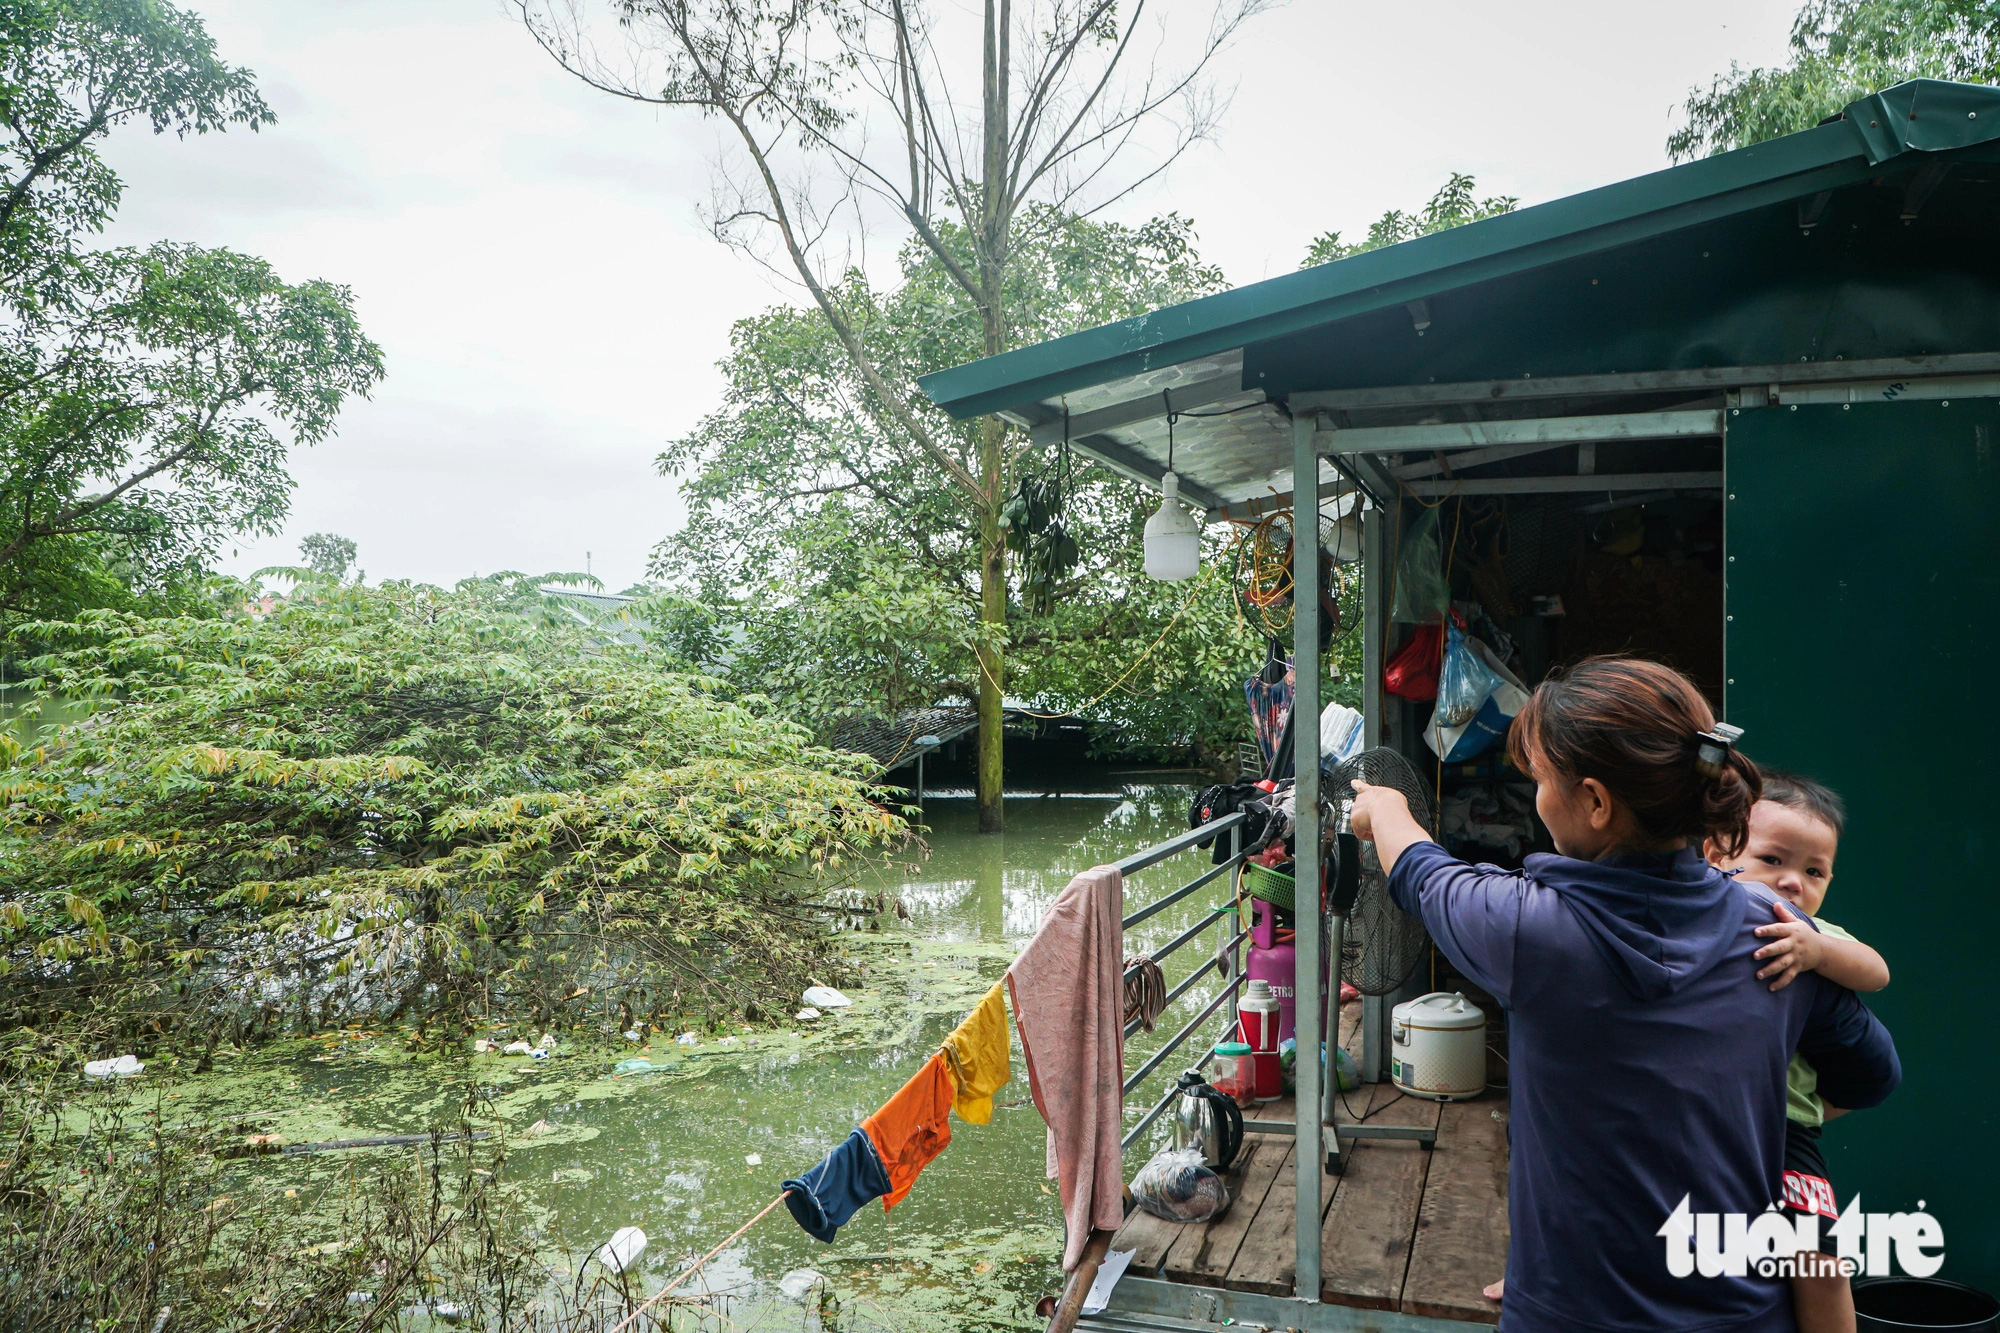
(1070, 1308)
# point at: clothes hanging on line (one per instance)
(976, 1050)
(913, 1127)
(1069, 999)
(826, 1197)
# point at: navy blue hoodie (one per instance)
(1647, 1064)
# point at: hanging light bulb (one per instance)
(1173, 536)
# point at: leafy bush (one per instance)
(406, 802)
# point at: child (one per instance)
(1795, 829)
(1639, 1039)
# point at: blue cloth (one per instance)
(1647, 1064)
(824, 1198)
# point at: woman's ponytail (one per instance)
(1639, 728)
(1726, 802)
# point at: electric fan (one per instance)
(1382, 944)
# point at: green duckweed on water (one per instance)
(691, 1150)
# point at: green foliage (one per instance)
(70, 72)
(840, 571)
(1841, 50)
(380, 801)
(328, 554)
(1453, 205)
(148, 395)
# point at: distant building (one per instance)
(599, 611)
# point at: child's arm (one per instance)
(1796, 947)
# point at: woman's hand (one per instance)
(1372, 803)
(1382, 816)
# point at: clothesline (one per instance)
(1070, 1005)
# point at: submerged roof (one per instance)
(1498, 294)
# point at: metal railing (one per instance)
(1227, 958)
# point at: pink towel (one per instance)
(1069, 1004)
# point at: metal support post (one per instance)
(1376, 531)
(1306, 850)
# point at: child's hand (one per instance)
(1795, 947)
(1373, 802)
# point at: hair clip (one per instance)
(1715, 748)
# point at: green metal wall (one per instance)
(1863, 593)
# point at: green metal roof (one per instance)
(1922, 116)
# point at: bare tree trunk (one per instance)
(994, 220)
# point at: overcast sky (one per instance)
(527, 252)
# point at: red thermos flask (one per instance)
(1257, 1015)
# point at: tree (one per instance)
(1453, 205)
(1841, 50)
(851, 571)
(148, 395)
(850, 114)
(328, 554)
(401, 801)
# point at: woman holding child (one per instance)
(1648, 1059)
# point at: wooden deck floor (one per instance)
(1404, 1229)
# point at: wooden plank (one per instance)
(1149, 1238)
(1203, 1254)
(1268, 1259)
(1365, 1240)
(1461, 1242)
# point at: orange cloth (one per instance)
(912, 1127)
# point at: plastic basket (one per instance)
(1272, 886)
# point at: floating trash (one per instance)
(625, 1245)
(687, 1039)
(754, 1159)
(806, 1015)
(632, 1034)
(518, 1048)
(123, 1067)
(482, 1047)
(826, 997)
(539, 1127)
(799, 1283)
(636, 1065)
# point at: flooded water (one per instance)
(975, 1244)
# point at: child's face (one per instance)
(1789, 852)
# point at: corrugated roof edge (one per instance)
(1923, 115)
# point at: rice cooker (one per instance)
(1438, 1047)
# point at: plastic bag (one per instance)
(1464, 680)
(1422, 595)
(1340, 731)
(1412, 670)
(1178, 1186)
(1489, 722)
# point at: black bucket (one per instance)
(1887, 1304)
